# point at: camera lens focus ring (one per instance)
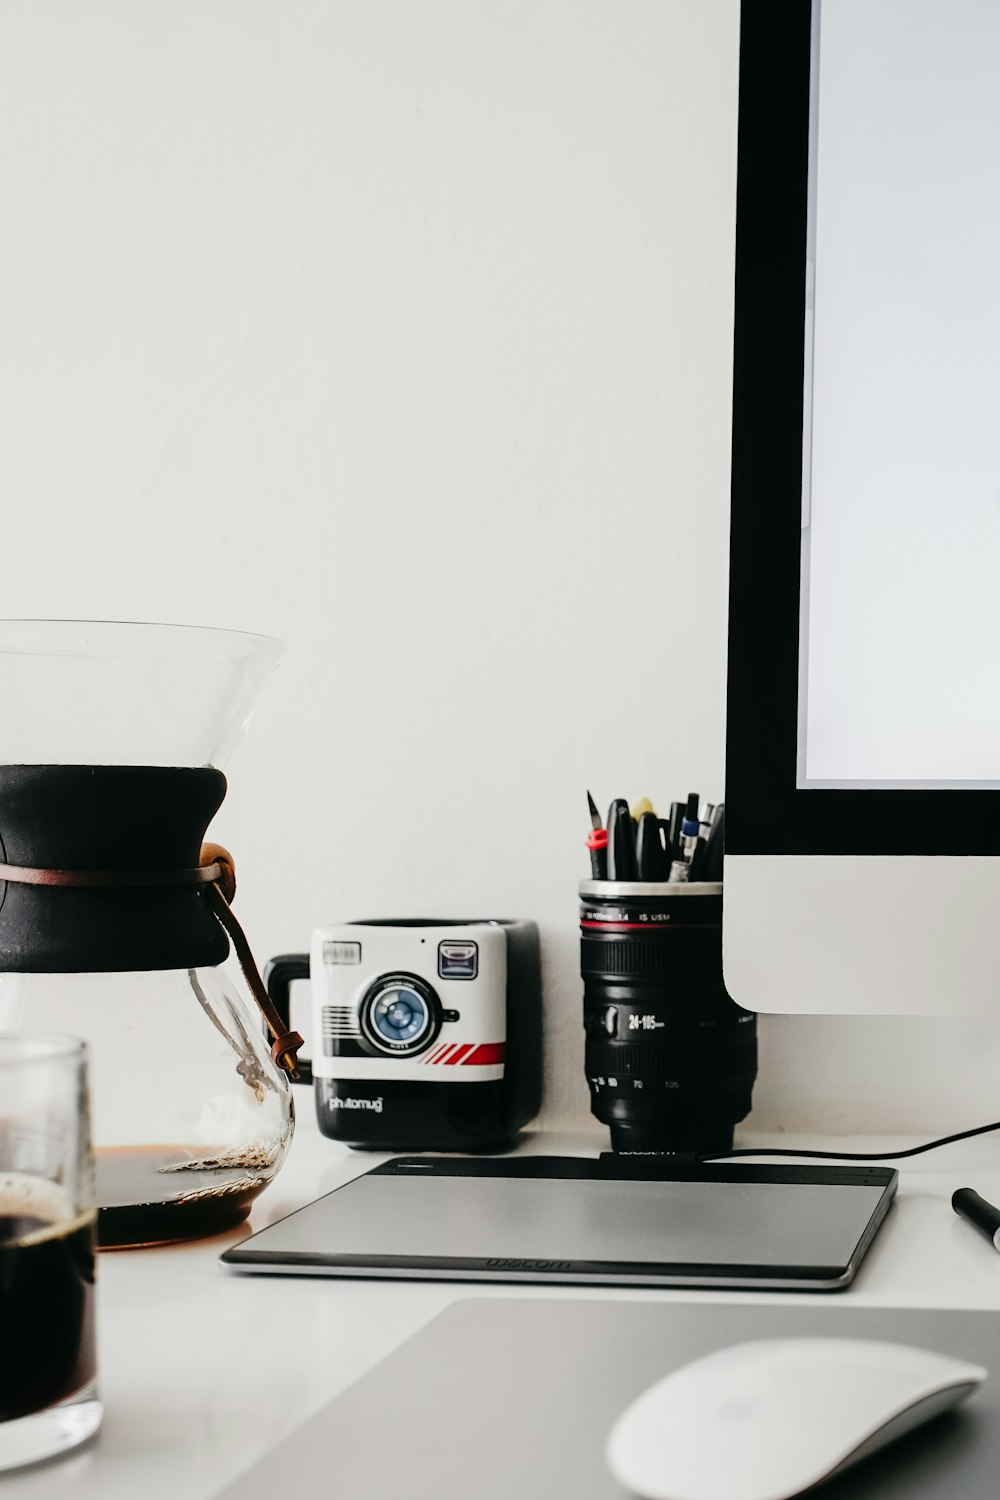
(400, 1015)
(684, 958)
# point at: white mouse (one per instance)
(768, 1420)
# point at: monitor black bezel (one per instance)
(766, 812)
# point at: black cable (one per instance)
(946, 1140)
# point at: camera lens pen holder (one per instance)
(670, 1058)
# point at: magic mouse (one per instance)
(768, 1420)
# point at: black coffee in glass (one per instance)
(46, 1309)
(49, 1402)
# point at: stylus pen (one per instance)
(983, 1215)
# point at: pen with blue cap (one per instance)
(690, 827)
(688, 839)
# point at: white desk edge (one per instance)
(203, 1370)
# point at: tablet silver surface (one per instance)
(747, 1227)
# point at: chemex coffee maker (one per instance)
(115, 918)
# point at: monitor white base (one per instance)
(862, 934)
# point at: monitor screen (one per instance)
(899, 667)
(864, 674)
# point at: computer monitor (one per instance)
(863, 740)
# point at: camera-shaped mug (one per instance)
(427, 1032)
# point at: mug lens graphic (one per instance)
(400, 1014)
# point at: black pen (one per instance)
(983, 1215)
(712, 864)
(597, 843)
(650, 855)
(697, 865)
(674, 831)
(621, 842)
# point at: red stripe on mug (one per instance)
(482, 1056)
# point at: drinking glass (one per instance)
(48, 1364)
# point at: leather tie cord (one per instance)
(216, 871)
(110, 879)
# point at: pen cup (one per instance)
(670, 1059)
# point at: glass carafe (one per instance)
(112, 738)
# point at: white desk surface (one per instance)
(202, 1370)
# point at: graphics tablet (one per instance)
(618, 1221)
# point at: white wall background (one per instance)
(402, 329)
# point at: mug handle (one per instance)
(278, 975)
